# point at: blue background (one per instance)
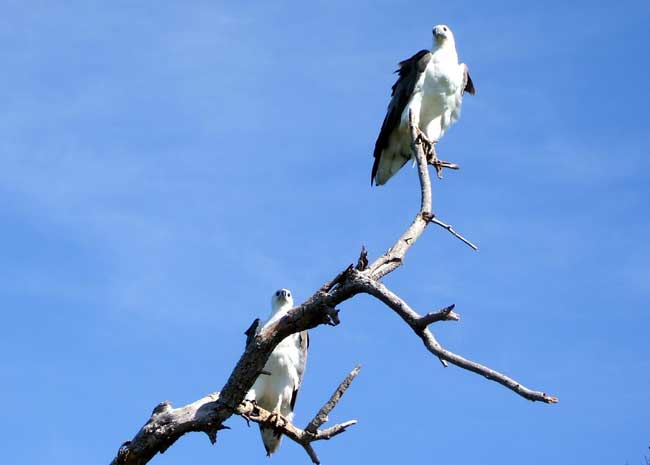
(166, 166)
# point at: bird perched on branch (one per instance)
(277, 387)
(431, 84)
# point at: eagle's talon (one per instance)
(432, 159)
(276, 420)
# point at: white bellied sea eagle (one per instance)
(276, 389)
(431, 84)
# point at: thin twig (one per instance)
(322, 415)
(449, 228)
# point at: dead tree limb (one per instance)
(166, 424)
(419, 324)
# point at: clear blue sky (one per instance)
(165, 166)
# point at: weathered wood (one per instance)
(167, 424)
(208, 414)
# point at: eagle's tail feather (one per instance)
(271, 439)
(390, 163)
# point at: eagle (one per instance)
(431, 84)
(276, 389)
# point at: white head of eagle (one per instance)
(281, 300)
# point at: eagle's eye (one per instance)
(444, 29)
(277, 294)
(288, 294)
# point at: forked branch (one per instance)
(419, 324)
(167, 424)
(311, 433)
(208, 414)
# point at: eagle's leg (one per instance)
(429, 148)
(432, 159)
(276, 419)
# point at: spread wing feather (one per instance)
(409, 74)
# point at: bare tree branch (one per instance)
(419, 325)
(322, 415)
(208, 414)
(167, 424)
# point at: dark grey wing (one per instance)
(303, 341)
(409, 73)
(252, 331)
(468, 84)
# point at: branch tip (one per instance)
(362, 263)
(446, 314)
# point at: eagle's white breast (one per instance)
(273, 392)
(437, 96)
